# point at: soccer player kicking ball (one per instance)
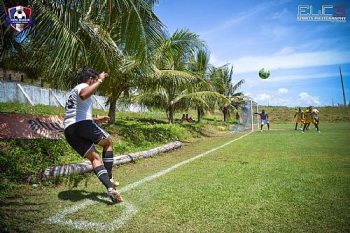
(264, 119)
(82, 132)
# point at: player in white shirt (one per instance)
(82, 132)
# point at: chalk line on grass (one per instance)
(129, 209)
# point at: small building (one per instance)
(12, 75)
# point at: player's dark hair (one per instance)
(86, 74)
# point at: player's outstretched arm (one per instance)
(90, 90)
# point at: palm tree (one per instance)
(221, 78)
(173, 86)
(108, 35)
(200, 65)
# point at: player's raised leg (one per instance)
(107, 157)
(102, 174)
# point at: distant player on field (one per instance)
(82, 132)
(299, 118)
(311, 116)
(264, 119)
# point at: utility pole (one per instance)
(342, 85)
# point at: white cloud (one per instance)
(253, 82)
(289, 60)
(280, 14)
(236, 19)
(274, 32)
(286, 50)
(263, 97)
(274, 99)
(307, 99)
(214, 60)
(291, 78)
(282, 90)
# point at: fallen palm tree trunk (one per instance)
(84, 167)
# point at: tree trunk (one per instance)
(225, 114)
(171, 115)
(84, 167)
(199, 114)
(112, 109)
(112, 104)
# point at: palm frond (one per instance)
(174, 78)
(203, 99)
(158, 99)
(236, 86)
(67, 47)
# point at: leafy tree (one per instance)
(221, 79)
(112, 36)
(173, 86)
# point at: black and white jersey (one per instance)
(264, 116)
(77, 109)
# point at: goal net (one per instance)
(247, 119)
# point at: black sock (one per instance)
(107, 157)
(102, 174)
(317, 127)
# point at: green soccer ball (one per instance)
(264, 73)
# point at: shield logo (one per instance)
(20, 17)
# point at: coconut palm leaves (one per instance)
(175, 83)
(200, 65)
(112, 36)
(166, 91)
(221, 79)
(126, 39)
(103, 34)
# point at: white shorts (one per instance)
(263, 122)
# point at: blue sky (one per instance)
(303, 57)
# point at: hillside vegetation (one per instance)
(327, 114)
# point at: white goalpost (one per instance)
(247, 119)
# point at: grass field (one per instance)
(276, 181)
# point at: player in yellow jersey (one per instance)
(311, 116)
(299, 118)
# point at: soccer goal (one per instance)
(247, 119)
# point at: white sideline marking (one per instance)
(130, 210)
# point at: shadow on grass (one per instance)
(79, 195)
(220, 122)
(151, 121)
(17, 211)
(196, 129)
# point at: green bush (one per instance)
(138, 133)
(21, 159)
